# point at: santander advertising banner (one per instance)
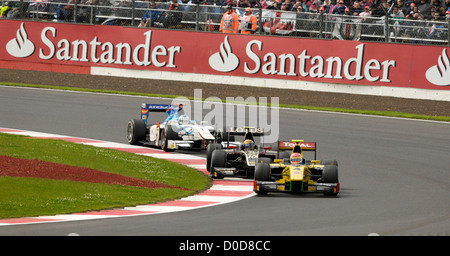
(76, 48)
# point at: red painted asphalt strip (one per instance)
(69, 139)
(119, 212)
(188, 161)
(184, 203)
(141, 150)
(26, 220)
(225, 193)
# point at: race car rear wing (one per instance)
(304, 146)
(307, 146)
(244, 130)
(171, 109)
(247, 132)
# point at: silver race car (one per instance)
(176, 132)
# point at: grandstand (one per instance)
(324, 23)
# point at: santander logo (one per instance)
(93, 50)
(302, 64)
(440, 74)
(20, 46)
(224, 60)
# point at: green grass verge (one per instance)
(25, 197)
(328, 109)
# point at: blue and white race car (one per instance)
(176, 132)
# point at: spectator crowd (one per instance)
(63, 10)
(409, 9)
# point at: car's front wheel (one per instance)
(163, 141)
(262, 173)
(218, 159)
(209, 150)
(330, 175)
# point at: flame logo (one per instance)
(20, 46)
(225, 60)
(440, 74)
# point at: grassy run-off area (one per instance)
(26, 197)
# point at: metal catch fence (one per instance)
(201, 17)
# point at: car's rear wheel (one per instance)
(136, 131)
(172, 132)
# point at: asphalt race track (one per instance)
(394, 173)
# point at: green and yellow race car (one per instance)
(291, 172)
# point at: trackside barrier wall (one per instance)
(413, 71)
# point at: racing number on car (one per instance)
(252, 154)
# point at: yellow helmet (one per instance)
(248, 144)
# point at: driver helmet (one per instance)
(183, 119)
(248, 144)
(296, 158)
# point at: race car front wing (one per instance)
(273, 186)
(223, 172)
(185, 144)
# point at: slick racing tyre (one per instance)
(163, 141)
(172, 132)
(218, 159)
(136, 131)
(330, 175)
(209, 150)
(262, 173)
